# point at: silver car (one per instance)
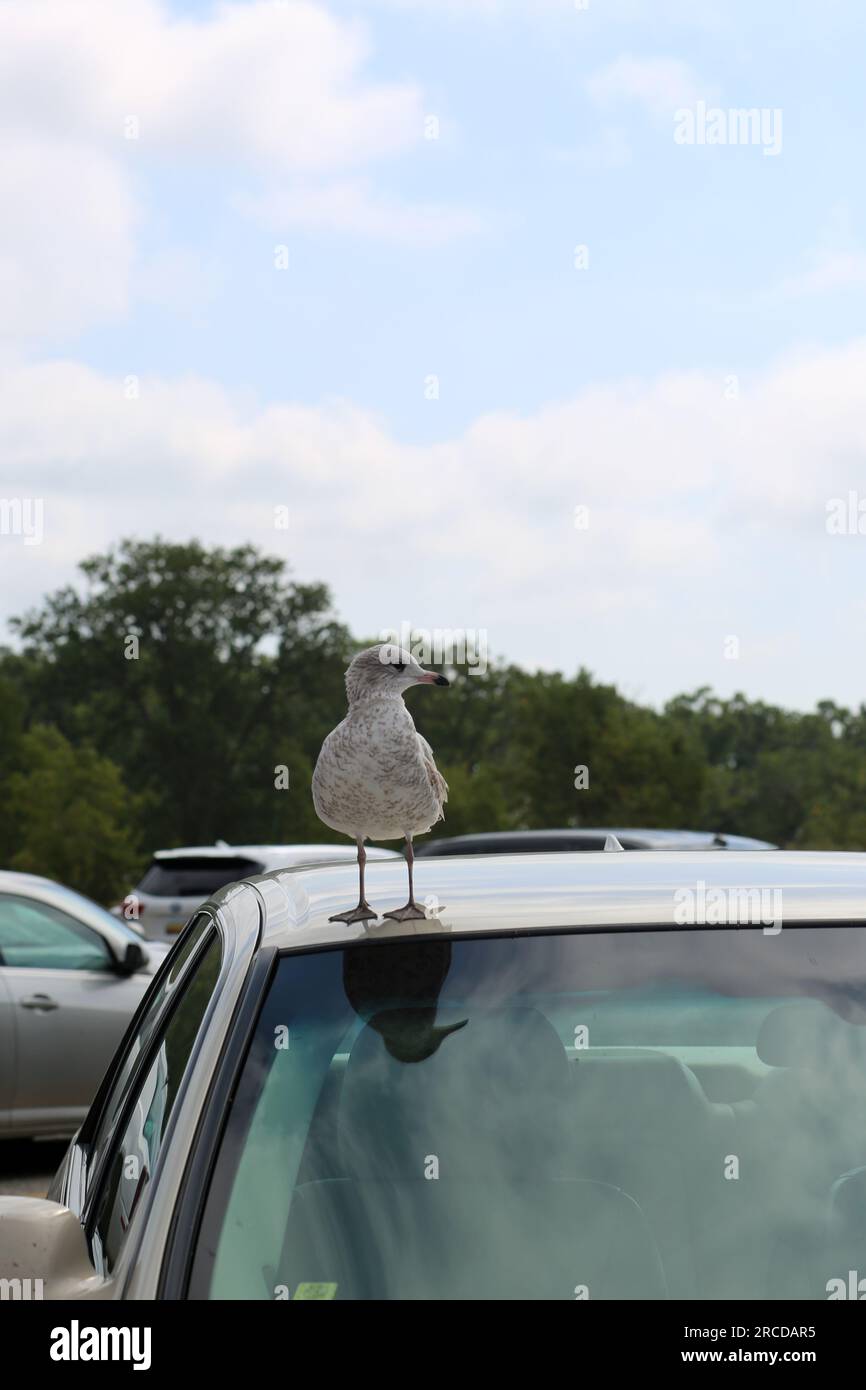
(177, 881)
(71, 977)
(582, 1076)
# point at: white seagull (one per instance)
(376, 778)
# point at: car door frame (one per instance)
(178, 1256)
(199, 1112)
(236, 918)
(73, 1179)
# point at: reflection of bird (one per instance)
(376, 778)
(396, 990)
(412, 1035)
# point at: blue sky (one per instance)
(681, 247)
(698, 385)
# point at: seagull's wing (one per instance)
(437, 781)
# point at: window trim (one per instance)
(140, 1072)
(91, 1176)
(179, 1252)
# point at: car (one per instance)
(542, 841)
(177, 881)
(579, 1076)
(71, 977)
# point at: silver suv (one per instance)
(177, 881)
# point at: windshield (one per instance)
(629, 1115)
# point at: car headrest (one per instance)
(806, 1033)
(477, 1090)
(632, 1086)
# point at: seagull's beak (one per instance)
(431, 678)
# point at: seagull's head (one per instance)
(386, 669)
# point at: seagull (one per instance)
(376, 777)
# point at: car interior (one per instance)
(542, 1149)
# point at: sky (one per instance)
(475, 296)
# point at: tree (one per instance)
(11, 728)
(198, 672)
(207, 680)
(72, 816)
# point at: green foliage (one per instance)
(197, 672)
(11, 728)
(154, 703)
(72, 816)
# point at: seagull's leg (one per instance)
(363, 912)
(411, 911)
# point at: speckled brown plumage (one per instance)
(376, 777)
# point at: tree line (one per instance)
(179, 694)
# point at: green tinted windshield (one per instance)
(634, 1115)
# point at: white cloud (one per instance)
(281, 85)
(828, 270)
(66, 237)
(653, 445)
(838, 262)
(695, 501)
(266, 89)
(463, 9)
(183, 278)
(659, 85)
(353, 205)
(714, 16)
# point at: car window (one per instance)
(642, 1114)
(92, 909)
(153, 1008)
(195, 876)
(37, 935)
(132, 1160)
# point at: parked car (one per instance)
(177, 881)
(71, 977)
(543, 841)
(626, 1076)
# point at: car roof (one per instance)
(543, 892)
(10, 878)
(273, 851)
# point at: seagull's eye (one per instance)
(399, 665)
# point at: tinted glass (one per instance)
(36, 935)
(156, 1004)
(633, 1115)
(195, 877)
(133, 1160)
(88, 906)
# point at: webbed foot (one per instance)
(362, 913)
